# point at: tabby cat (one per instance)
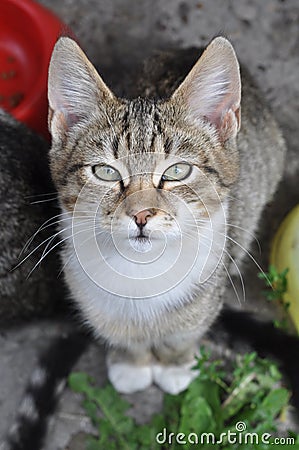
(159, 199)
(160, 196)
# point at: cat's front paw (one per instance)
(129, 378)
(174, 379)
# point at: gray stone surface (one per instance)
(116, 35)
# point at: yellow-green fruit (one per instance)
(285, 254)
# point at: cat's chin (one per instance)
(140, 244)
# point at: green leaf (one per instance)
(210, 392)
(274, 402)
(196, 416)
(80, 382)
(171, 410)
(91, 410)
(92, 444)
(209, 405)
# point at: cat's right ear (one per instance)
(76, 92)
(211, 92)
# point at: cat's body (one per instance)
(146, 254)
(26, 204)
(153, 339)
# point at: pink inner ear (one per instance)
(66, 117)
(227, 103)
(212, 90)
(219, 108)
(229, 124)
(70, 119)
(59, 121)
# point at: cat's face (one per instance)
(143, 171)
(145, 159)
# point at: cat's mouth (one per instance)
(142, 238)
(139, 236)
(140, 243)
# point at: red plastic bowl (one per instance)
(28, 32)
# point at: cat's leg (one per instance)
(175, 358)
(130, 370)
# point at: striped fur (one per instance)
(153, 295)
(42, 392)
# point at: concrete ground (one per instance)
(116, 35)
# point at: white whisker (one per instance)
(44, 201)
(226, 236)
(228, 225)
(72, 235)
(44, 226)
(92, 235)
(36, 248)
(232, 283)
(229, 256)
(251, 257)
(44, 241)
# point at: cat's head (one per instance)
(142, 166)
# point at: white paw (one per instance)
(128, 378)
(174, 379)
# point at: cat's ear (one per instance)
(75, 89)
(212, 89)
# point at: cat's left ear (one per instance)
(211, 92)
(76, 91)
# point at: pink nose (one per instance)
(142, 217)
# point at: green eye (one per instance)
(177, 172)
(106, 173)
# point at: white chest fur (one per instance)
(107, 276)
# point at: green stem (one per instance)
(113, 423)
(238, 389)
